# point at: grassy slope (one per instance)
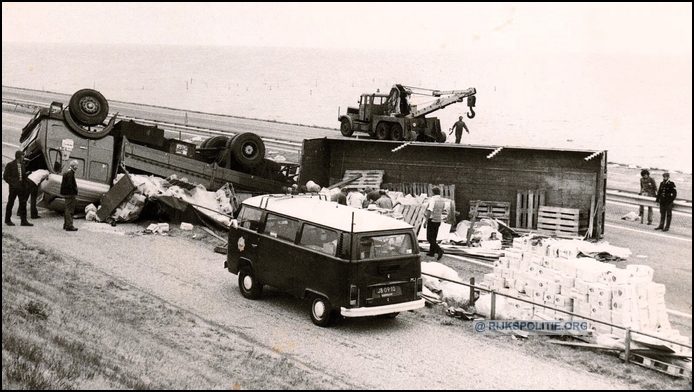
(68, 326)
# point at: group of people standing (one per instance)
(362, 198)
(665, 197)
(25, 185)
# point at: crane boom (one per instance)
(453, 97)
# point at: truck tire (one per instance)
(382, 131)
(346, 128)
(441, 137)
(322, 313)
(396, 132)
(218, 142)
(247, 149)
(249, 285)
(88, 107)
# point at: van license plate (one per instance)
(387, 291)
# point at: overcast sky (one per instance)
(651, 28)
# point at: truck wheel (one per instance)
(396, 132)
(247, 149)
(322, 313)
(441, 137)
(88, 107)
(345, 128)
(218, 142)
(382, 131)
(249, 285)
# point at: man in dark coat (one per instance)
(15, 175)
(68, 189)
(667, 192)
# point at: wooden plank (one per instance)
(530, 208)
(472, 223)
(519, 208)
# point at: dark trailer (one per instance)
(568, 178)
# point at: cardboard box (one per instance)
(554, 287)
(562, 301)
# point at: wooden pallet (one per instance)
(369, 178)
(659, 366)
(559, 221)
(528, 204)
(500, 210)
(414, 215)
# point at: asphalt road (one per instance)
(670, 254)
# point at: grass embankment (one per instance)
(66, 325)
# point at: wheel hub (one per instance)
(248, 150)
(319, 309)
(247, 283)
(89, 105)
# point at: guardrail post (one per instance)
(492, 313)
(472, 292)
(627, 344)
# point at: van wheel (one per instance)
(345, 128)
(322, 313)
(249, 285)
(88, 107)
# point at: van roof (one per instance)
(312, 208)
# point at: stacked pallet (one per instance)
(528, 205)
(500, 210)
(548, 271)
(558, 221)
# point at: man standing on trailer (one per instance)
(458, 128)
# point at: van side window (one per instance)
(281, 227)
(318, 238)
(249, 217)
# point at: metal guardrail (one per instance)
(168, 126)
(494, 294)
(630, 198)
(613, 196)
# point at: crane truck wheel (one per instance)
(88, 107)
(346, 128)
(247, 149)
(382, 131)
(396, 132)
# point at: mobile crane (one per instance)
(392, 117)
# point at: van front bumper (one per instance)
(385, 309)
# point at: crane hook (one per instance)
(470, 104)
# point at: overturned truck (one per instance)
(572, 183)
(80, 132)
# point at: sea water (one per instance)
(638, 108)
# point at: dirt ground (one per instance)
(176, 320)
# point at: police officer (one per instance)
(667, 192)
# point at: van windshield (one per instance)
(378, 246)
